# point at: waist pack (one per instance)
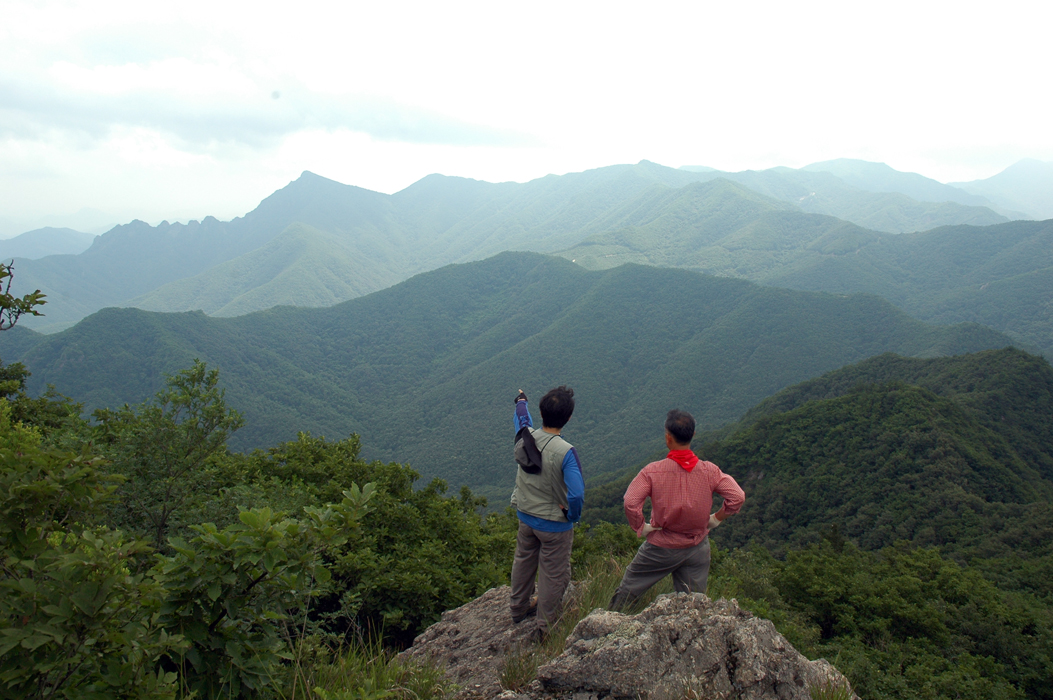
(526, 453)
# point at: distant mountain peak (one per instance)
(1026, 185)
(833, 166)
(880, 177)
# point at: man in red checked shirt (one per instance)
(681, 489)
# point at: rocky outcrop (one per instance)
(681, 646)
(471, 642)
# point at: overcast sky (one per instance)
(159, 110)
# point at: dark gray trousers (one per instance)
(547, 556)
(689, 567)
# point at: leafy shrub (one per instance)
(232, 593)
(77, 617)
(162, 447)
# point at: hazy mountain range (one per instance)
(996, 275)
(411, 353)
(426, 369)
(812, 320)
(316, 242)
(1026, 185)
(43, 242)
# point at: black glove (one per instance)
(520, 396)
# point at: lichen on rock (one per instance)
(681, 646)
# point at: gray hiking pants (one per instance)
(546, 555)
(689, 567)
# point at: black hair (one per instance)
(681, 425)
(557, 406)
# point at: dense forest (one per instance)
(900, 531)
(424, 368)
(141, 558)
(897, 519)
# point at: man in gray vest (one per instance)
(548, 504)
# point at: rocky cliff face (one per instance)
(681, 646)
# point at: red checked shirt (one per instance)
(681, 501)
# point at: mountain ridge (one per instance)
(42, 242)
(437, 221)
(438, 352)
(1025, 185)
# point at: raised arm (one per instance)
(522, 415)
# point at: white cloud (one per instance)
(148, 107)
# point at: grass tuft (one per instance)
(830, 691)
(366, 671)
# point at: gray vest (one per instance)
(544, 495)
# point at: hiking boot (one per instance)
(531, 612)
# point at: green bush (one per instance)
(78, 618)
(233, 593)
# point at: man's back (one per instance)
(681, 500)
(544, 495)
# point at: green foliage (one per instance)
(425, 368)
(830, 691)
(55, 417)
(301, 472)
(85, 616)
(366, 670)
(418, 556)
(953, 454)
(77, 619)
(908, 623)
(899, 623)
(89, 611)
(231, 593)
(12, 307)
(602, 542)
(162, 446)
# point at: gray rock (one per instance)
(471, 642)
(681, 646)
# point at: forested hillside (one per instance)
(952, 452)
(436, 221)
(999, 276)
(301, 266)
(426, 369)
(878, 499)
(134, 259)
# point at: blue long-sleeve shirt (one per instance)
(571, 477)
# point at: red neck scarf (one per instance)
(685, 458)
